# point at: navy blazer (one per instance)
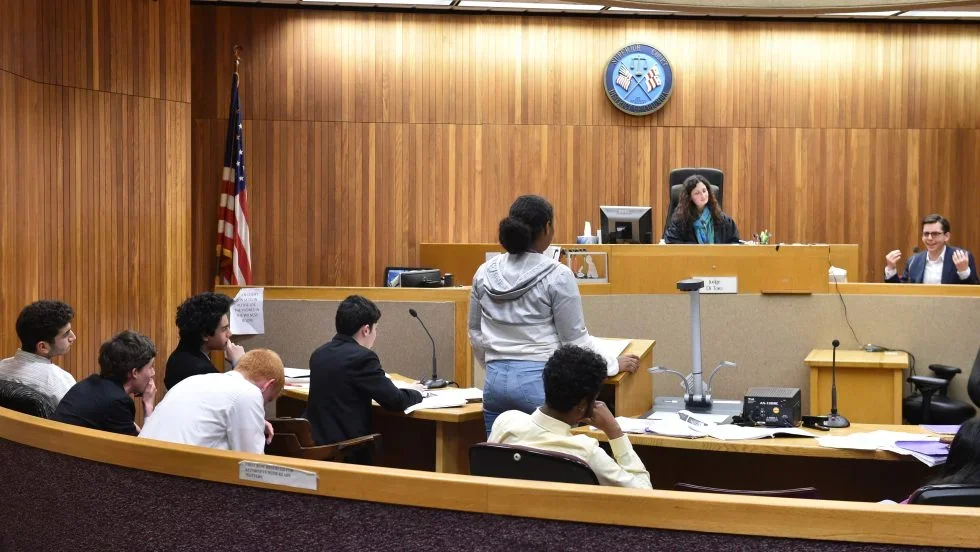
(915, 269)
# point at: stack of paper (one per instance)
(930, 453)
(609, 347)
(297, 377)
(878, 440)
(437, 401)
(730, 432)
(468, 394)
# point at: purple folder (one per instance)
(942, 429)
(929, 448)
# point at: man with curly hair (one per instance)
(572, 378)
(202, 322)
(44, 329)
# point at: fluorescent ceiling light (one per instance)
(527, 6)
(641, 10)
(939, 13)
(865, 14)
(384, 2)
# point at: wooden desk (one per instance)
(782, 463)
(869, 385)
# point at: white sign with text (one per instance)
(719, 284)
(247, 315)
(277, 475)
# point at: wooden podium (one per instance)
(869, 385)
(632, 394)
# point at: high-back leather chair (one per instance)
(520, 462)
(950, 494)
(24, 399)
(931, 404)
(293, 437)
(801, 492)
(675, 185)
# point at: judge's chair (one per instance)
(520, 462)
(293, 437)
(24, 399)
(952, 494)
(675, 185)
(930, 404)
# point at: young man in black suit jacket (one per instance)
(345, 375)
(102, 401)
(203, 324)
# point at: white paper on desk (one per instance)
(247, 315)
(610, 347)
(297, 377)
(436, 401)
(873, 440)
(671, 427)
(729, 432)
(468, 394)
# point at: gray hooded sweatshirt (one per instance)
(523, 307)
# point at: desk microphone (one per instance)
(435, 382)
(834, 420)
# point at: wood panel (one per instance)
(95, 162)
(370, 133)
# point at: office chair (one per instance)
(293, 437)
(931, 405)
(951, 494)
(24, 399)
(802, 492)
(675, 185)
(520, 462)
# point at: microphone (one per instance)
(435, 382)
(834, 420)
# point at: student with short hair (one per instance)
(346, 375)
(45, 332)
(572, 379)
(202, 322)
(102, 401)
(221, 410)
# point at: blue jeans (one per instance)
(512, 385)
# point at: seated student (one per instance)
(221, 410)
(203, 324)
(44, 329)
(963, 462)
(572, 378)
(698, 218)
(346, 375)
(101, 401)
(938, 264)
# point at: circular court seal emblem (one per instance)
(638, 79)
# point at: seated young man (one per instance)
(221, 410)
(572, 378)
(44, 329)
(102, 401)
(345, 375)
(202, 322)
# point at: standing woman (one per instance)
(523, 306)
(698, 218)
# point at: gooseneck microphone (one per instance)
(435, 382)
(834, 420)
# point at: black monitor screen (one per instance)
(626, 224)
(421, 278)
(393, 272)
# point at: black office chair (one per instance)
(931, 404)
(802, 492)
(520, 462)
(675, 185)
(293, 437)
(24, 399)
(951, 494)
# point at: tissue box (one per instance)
(837, 275)
(589, 267)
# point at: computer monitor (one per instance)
(623, 224)
(393, 272)
(429, 277)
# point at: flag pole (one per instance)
(236, 51)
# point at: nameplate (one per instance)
(276, 475)
(719, 284)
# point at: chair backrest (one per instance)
(300, 427)
(675, 186)
(951, 494)
(520, 462)
(24, 399)
(802, 492)
(973, 384)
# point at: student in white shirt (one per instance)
(44, 329)
(938, 264)
(572, 378)
(221, 410)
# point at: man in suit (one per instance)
(203, 324)
(102, 401)
(346, 375)
(938, 264)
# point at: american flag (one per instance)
(652, 79)
(234, 249)
(625, 78)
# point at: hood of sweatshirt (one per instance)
(511, 276)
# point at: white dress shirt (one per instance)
(38, 373)
(538, 430)
(221, 411)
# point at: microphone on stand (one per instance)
(834, 420)
(436, 382)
